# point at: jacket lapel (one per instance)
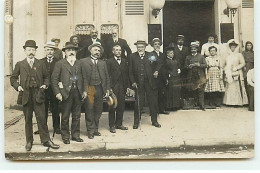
(26, 66)
(67, 65)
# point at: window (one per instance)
(247, 3)
(57, 7)
(134, 7)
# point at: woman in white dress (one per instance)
(235, 93)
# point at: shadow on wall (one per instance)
(10, 95)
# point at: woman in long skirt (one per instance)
(235, 93)
(215, 85)
(174, 82)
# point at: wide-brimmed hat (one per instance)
(141, 42)
(156, 40)
(180, 37)
(69, 45)
(233, 42)
(30, 43)
(97, 44)
(50, 44)
(54, 39)
(112, 100)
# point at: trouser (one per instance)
(152, 98)
(251, 97)
(93, 108)
(198, 95)
(214, 98)
(115, 116)
(162, 98)
(71, 105)
(38, 109)
(52, 102)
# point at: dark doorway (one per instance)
(193, 19)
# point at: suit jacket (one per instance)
(181, 55)
(117, 71)
(195, 72)
(86, 68)
(62, 73)
(44, 60)
(124, 47)
(22, 69)
(135, 67)
(58, 54)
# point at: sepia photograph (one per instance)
(128, 79)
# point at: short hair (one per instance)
(213, 47)
(117, 45)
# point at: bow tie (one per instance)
(118, 59)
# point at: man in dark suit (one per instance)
(67, 86)
(57, 52)
(142, 79)
(50, 99)
(196, 64)
(91, 40)
(156, 44)
(34, 79)
(118, 73)
(75, 39)
(181, 52)
(115, 40)
(96, 83)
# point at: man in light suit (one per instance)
(66, 82)
(96, 84)
(33, 80)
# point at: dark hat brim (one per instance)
(141, 42)
(96, 45)
(69, 47)
(30, 46)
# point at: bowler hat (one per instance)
(50, 44)
(169, 48)
(69, 45)
(140, 42)
(156, 40)
(97, 44)
(30, 43)
(180, 36)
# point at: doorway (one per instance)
(193, 19)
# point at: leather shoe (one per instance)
(112, 129)
(97, 134)
(36, 132)
(66, 141)
(122, 127)
(77, 139)
(156, 124)
(164, 112)
(28, 146)
(90, 136)
(135, 126)
(58, 131)
(51, 145)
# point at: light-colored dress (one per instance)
(235, 93)
(214, 75)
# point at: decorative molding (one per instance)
(83, 29)
(107, 28)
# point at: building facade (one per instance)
(42, 20)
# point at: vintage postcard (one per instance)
(129, 79)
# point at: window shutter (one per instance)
(247, 3)
(57, 7)
(134, 7)
(7, 7)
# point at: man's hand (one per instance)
(20, 88)
(134, 85)
(179, 71)
(60, 85)
(44, 87)
(197, 64)
(59, 97)
(107, 93)
(155, 75)
(234, 69)
(84, 95)
(167, 82)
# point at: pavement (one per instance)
(193, 128)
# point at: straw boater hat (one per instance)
(194, 44)
(233, 42)
(156, 40)
(97, 44)
(30, 43)
(54, 39)
(141, 42)
(50, 44)
(69, 45)
(112, 100)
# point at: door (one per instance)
(193, 19)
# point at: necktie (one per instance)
(142, 56)
(118, 60)
(31, 63)
(95, 61)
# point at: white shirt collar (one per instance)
(50, 59)
(94, 60)
(29, 60)
(180, 47)
(119, 61)
(194, 54)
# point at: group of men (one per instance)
(83, 79)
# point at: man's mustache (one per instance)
(31, 54)
(72, 54)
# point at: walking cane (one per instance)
(138, 105)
